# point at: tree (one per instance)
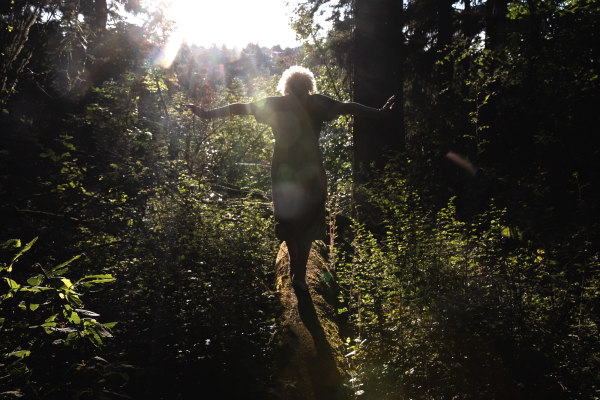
(378, 74)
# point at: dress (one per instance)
(299, 182)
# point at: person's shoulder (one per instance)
(271, 102)
(320, 97)
(322, 100)
(265, 109)
(322, 106)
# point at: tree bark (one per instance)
(377, 76)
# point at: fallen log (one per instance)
(309, 357)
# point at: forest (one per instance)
(137, 248)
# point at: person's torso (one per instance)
(296, 130)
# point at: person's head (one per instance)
(296, 80)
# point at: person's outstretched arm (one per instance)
(336, 108)
(222, 112)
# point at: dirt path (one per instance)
(309, 351)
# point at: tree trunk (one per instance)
(377, 76)
(494, 23)
(101, 11)
(11, 66)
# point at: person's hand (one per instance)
(387, 107)
(199, 111)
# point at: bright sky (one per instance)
(234, 22)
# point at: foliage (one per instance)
(46, 331)
(443, 308)
(174, 209)
(446, 292)
(196, 290)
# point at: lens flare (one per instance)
(169, 51)
(462, 162)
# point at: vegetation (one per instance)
(138, 252)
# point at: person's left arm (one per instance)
(335, 108)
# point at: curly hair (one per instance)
(296, 80)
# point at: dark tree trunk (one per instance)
(377, 76)
(444, 40)
(101, 11)
(495, 16)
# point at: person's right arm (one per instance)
(222, 112)
(254, 108)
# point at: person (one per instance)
(299, 183)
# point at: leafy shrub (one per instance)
(447, 309)
(47, 334)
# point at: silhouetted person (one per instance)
(299, 182)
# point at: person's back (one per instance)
(296, 124)
(298, 178)
(299, 182)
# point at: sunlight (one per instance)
(233, 22)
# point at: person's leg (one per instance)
(292, 247)
(298, 268)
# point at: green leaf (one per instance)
(66, 283)
(20, 353)
(34, 280)
(75, 300)
(72, 340)
(33, 306)
(74, 318)
(12, 284)
(97, 279)
(51, 319)
(28, 289)
(20, 253)
(12, 242)
(55, 269)
(93, 335)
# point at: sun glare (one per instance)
(233, 22)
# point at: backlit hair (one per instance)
(296, 80)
